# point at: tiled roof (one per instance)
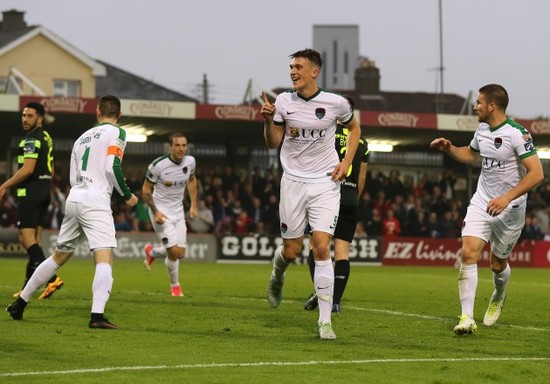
(126, 85)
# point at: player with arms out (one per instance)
(510, 167)
(33, 180)
(303, 122)
(163, 191)
(95, 171)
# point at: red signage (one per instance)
(60, 104)
(399, 119)
(228, 112)
(446, 252)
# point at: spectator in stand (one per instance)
(381, 203)
(399, 210)
(203, 222)
(390, 225)
(246, 197)
(256, 213)
(433, 226)
(531, 230)
(374, 225)
(543, 218)
(447, 184)
(408, 184)
(417, 224)
(360, 232)
(121, 222)
(258, 181)
(438, 204)
(449, 226)
(365, 207)
(395, 185)
(8, 218)
(271, 214)
(243, 222)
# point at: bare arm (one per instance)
(532, 178)
(461, 154)
(362, 178)
(147, 197)
(18, 177)
(273, 134)
(192, 186)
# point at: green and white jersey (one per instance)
(502, 149)
(170, 180)
(96, 166)
(308, 153)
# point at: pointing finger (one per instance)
(264, 98)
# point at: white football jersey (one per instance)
(96, 166)
(170, 180)
(502, 150)
(308, 152)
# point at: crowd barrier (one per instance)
(260, 248)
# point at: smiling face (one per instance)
(303, 74)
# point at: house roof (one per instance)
(126, 85)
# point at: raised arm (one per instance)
(462, 154)
(273, 134)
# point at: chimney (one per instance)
(367, 78)
(13, 21)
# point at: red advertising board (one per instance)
(446, 252)
(228, 112)
(60, 104)
(398, 119)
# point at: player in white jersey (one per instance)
(510, 167)
(163, 191)
(304, 121)
(95, 171)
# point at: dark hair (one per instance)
(175, 136)
(350, 101)
(496, 94)
(309, 54)
(109, 106)
(39, 108)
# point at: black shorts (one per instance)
(32, 213)
(347, 221)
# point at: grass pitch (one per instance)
(395, 327)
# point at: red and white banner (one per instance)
(446, 252)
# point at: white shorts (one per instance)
(96, 224)
(172, 232)
(315, 203)
(502, 231)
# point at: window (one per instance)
(69, 88)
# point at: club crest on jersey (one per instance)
(284, 228)
(184, 170)
(498, 142)
(294, 132)
(320, 113)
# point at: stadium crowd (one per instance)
(234, 201)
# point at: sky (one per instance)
(176, 42)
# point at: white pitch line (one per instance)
(399, 313)
(270, 364)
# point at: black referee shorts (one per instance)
(32, 213)
(347, 221)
